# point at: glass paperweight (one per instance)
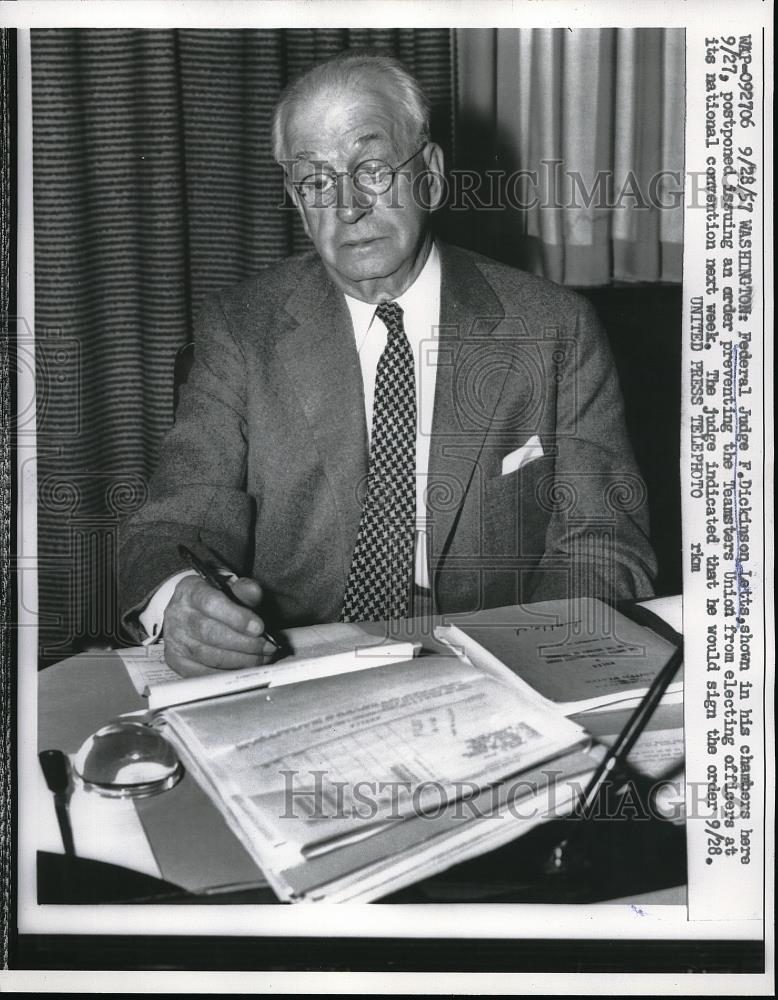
(127, 758)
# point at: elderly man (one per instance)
(385, 425)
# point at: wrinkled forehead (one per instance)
(334, 124)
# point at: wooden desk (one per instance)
(181, 827)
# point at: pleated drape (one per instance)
(596, 115)
(154, 187)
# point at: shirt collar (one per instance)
(412, 300)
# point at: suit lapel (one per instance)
(469, 312)
(319, 352)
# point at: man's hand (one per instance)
(204, 630)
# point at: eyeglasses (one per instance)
(370, 177)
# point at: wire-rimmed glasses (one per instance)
(370, 177)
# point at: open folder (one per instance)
(313, 651)
(349, 786)
(579, 655)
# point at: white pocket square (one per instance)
(527, 453)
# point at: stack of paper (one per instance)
(352, 769)
(577, 656)
(315, 651)
(350, 786)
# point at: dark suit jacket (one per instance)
(269, 448)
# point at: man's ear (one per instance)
(298, 204)
(436, 181)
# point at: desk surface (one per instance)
(169, 835)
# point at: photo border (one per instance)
(420, 954)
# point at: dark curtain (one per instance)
(154, 187)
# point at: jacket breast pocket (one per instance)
(515, 516)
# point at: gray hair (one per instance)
(347, 69)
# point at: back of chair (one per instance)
(643, 323)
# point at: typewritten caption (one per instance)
(723, 515)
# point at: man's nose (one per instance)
(352, 203)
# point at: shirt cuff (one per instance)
(421, 576)
(153, 614)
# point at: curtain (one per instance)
(575, 109)
(154, 186)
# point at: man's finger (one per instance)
(183, 657)
(247, 590)
(219, 658)
(212, 632)
(185, 667)
(213, 604)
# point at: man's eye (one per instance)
(317, 184)
(371, 171)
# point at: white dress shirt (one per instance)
(421, 316)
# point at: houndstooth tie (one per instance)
(380, 576)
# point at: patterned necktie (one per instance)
(379, 581)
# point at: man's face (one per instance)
(373, 246)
